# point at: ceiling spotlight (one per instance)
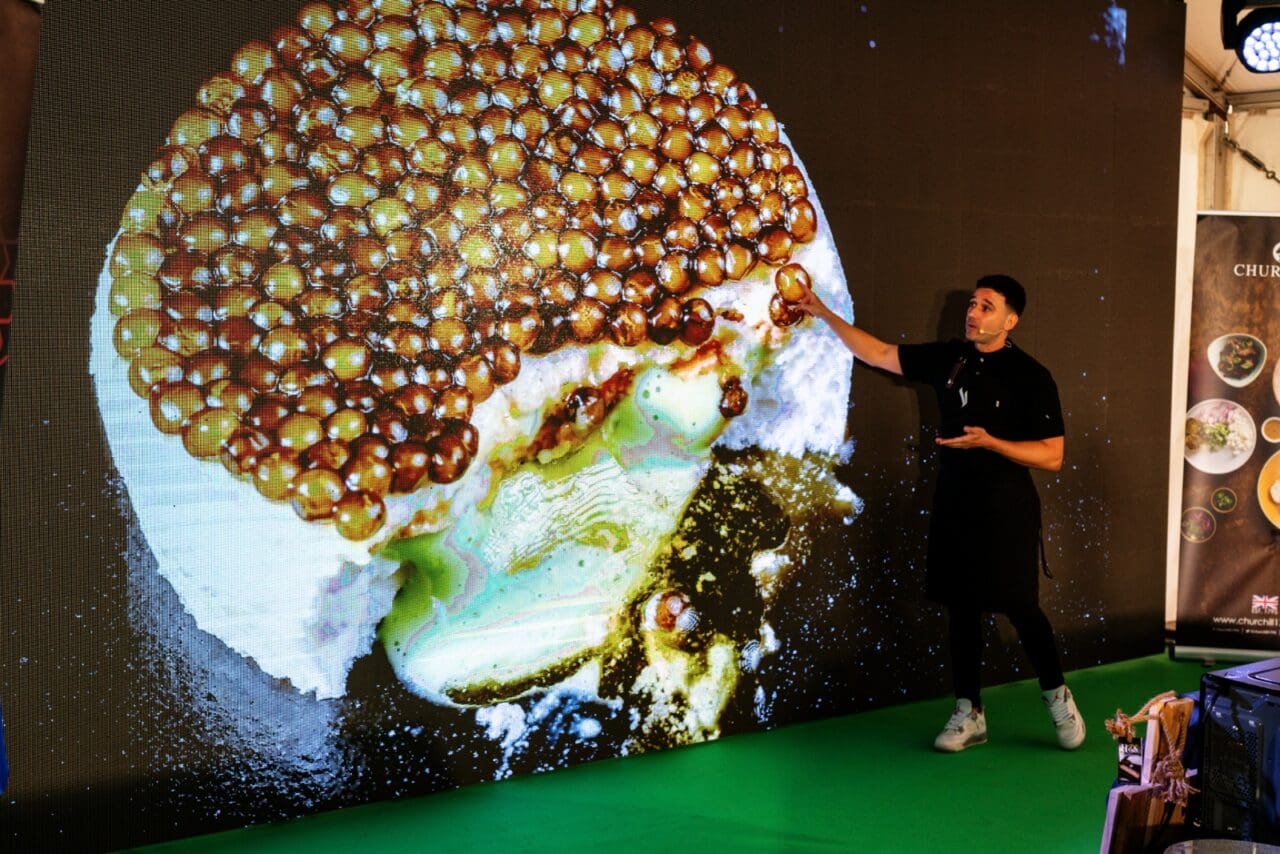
(1256, 37)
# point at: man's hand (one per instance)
(1035, 453)
(810, 304)
(863, 345)
(973, 437)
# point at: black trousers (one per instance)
(1034, 631)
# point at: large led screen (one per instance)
(450, 384)
(408, 394)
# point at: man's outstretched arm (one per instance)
(1035, 453)
(864, 346)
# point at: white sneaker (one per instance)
(1066, 717)
(966, 728)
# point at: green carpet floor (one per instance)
(867, 782)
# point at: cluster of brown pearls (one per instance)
(354, 237)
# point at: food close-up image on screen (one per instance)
(420, 393)
(460, 411)
(476, 327)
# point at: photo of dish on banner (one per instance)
(429, 330)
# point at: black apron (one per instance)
(985, 546)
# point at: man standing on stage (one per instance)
(1000, 417)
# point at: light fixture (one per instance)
(1256, 37)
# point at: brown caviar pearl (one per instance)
(316, 492)
(639, 164)
(448, 335)
(708, 266)
(792, 282)
(745, 222)
(267, 412)
(388, 372)
(173, 404)
(205, 232)
(320, 401)
(791, 182)
(586, 407)
(209, 366)
(734, 400)
(286, 346)
(668, 109)
(328, 454)
(346, 359)
(238, 335)
(576, 250)
(782, 314)
(741, 160)
(775, 245)
(136, 330)
(802, 220)
(604, 285)
(641, 287)
(345, 424)
(702, 168)
(587, 319)
(772, 207)
(681, 233)
(232, 395)
(406, 340)
(665, 320)
(299, 377)
(207, 430)
(738, 260)
(761, 182)
(465, 431)
(183, 270)
(408, 464)
(255, 229)
(372, 445)
(447, 457)
(699, 321)
(628, 324)
(241, 450)
(436, 375)
(153, 365)
(415, 398)
(775, 156)
(714, 141)
(475, 375)
(358, 515)
(764, 126)
(504, 361)
(715, 230)
(368, 473)
(300, 431)
(694, 203)
(620, 218)
(672, 271)
(670, 179)
(649, 250)
(389, 423)
(521, 329)
(283, 281)
(454, 402)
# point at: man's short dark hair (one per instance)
(1015, 296)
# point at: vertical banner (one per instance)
(1229, 571)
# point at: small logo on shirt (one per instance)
(964, 398)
